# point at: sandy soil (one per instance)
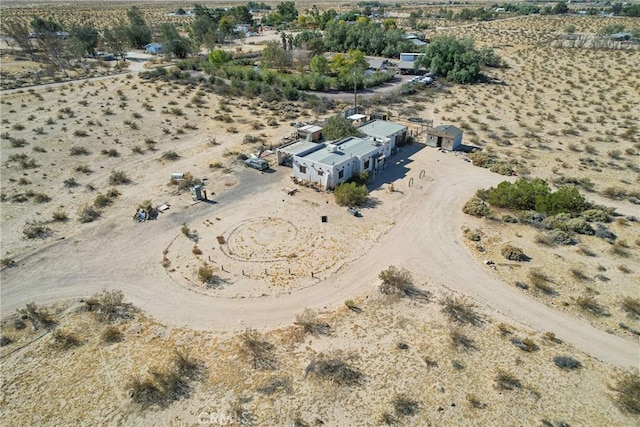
(128, 125)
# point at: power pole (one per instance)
(355, 93)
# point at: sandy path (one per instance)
(425, 240)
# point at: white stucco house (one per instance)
(383, 130)
(333, 163)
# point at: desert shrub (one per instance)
(71, 182)
(589, 304)
(79, 151)
(111, 334)
(475, 402)
(274, 385)
(205, 273)
(405, 406)
(5, 341)
(351, 305)
(400, 282)
(145, 392)
(88, 214)
(350, 194)
(462, 341)
(509, 219)
(111, 152)
(578, 274)
(170, 155)
(113, 193)
(36, 230)
(555, 237)
(102, 201)
(310, 323)
(541, 281)
(476, 207)
(118, 178)
(526, 344)
(627, 390)
(507, 381)
(109, 306)
(472, 235)
(556, 222)
(619, 251)
(596, 215)
(166, 385)
(60, 216)
(334, 370)
(257, 350)
(64, 340)
(83, 169)
(513, 253)
(580, 226)
(615, 193)
(38, 317)
(531, 217)
(460, 311)
(631, 306)
(566, 362)
(196, 250)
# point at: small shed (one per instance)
(310, 133)
(153, 48)
(445, 136)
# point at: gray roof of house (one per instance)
(375, 63)
(310, 128)
(381, 128)
(347, 148)
(300, 146)
(417, 42)
(448, 129)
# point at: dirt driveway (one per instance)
(425, 239)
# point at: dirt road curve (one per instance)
(425, 239)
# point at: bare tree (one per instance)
(20, 34)
(54, 50)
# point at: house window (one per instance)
(340, 174)
(366, 164)
(320, 172)
(303, 169)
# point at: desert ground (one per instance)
(293, 292)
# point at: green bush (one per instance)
(535, 195)
(512, 253)
(476, 207)
(351, 194)
(580, 226)
(596, 215)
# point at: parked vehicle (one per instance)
(255, 163)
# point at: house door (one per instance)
(439, 143)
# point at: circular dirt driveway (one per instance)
(277, 246)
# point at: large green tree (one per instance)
(173, 42)
(455, 59)
(116, 40)
(84, 39)
(274, 56)
(337, 127)
(138, 31)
